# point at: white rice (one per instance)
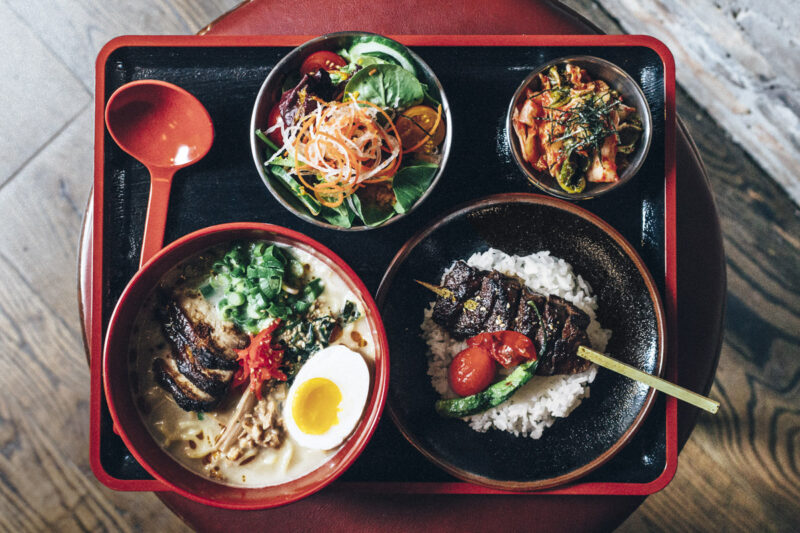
(544, 398)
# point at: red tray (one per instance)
(119, 180)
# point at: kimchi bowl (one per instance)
(631, 95)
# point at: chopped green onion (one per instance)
(312, 291)
(278, 310)
(296, 268)
(207, 291)
(235, 298)
(251, 279)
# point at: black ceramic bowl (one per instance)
(628, 303)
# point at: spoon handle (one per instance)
(156, 221)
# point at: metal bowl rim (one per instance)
(256, 149)
(636, 161)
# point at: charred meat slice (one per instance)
(188, 396)
(527, 320)
(193, 349)
(506, 299)
(494, 307)
(463, 281)
(566, 330)
(179, 328)
(473, 319)
(202, 361)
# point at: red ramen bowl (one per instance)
(129, 425)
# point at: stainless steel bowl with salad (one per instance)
(351, 131)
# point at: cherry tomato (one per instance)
(275, 135)
(322, 60)
(415, 123)
(471, 371)
(509, 348)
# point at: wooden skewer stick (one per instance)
(447, 293)
(648, 379)
(611, 364)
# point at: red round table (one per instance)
(701, 290)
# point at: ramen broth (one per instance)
(189, 437)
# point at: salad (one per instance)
(355, 136)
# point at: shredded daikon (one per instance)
(339, 147)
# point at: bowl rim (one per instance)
(658, 308)
(256, 149)
(378, 390)
(638, 158)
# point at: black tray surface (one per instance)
(225, 187)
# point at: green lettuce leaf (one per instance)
(410, 183)
(387, 86)
(370, 213)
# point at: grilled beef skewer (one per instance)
(475, 301)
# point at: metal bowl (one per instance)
(617, 79)
(270, 94)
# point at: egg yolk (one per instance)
(316, 406)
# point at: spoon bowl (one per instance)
(166, 128)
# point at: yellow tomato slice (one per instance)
(415, 123)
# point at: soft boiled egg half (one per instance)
(327, 398)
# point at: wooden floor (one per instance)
(739, 471)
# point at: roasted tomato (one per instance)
(471, 371)
(509, 348)
(322, 60)
(415, 124)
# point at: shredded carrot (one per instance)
(342, 145)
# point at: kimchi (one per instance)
(575, 129)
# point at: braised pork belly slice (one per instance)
(204, 358)
(186, 394)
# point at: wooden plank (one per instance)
(738, 59)
(45, 479)
(40, 217)
(90, 24)
(748, 450)
(738, 472)
(40, 95)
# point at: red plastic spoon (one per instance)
(166, 128)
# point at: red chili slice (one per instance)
(260, 361)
